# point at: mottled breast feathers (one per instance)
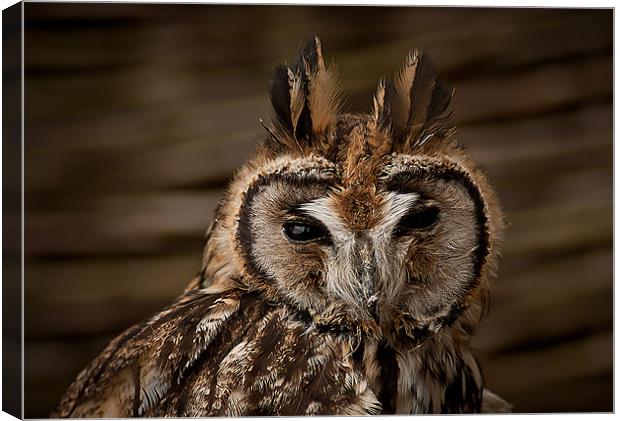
(234, 354)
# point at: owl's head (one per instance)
(375, 223)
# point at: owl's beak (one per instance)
(367, 273)
(373, 308)
(355, 276)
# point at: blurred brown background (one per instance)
(137, 115)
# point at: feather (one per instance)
(379, 114)
(400, 101)
(493, 404)
(306, 98)
(280, 95)
(416, 103)
(298, 97)
(423, 94)
(324, 91)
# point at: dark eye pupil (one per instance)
(302, 232)
(418, 219)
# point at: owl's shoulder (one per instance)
(229, 353)
(166, 341)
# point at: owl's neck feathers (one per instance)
(441, 376)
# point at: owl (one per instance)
(345, 273)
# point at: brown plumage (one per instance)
(345, 272)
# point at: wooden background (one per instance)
(137, 115)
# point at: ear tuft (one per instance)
(306, 99)
(379, 109)
(298, 97)
(280, 95)
(312, 56)
(416, 101)
(324, 91)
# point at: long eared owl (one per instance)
(345, 272)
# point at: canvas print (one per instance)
(237, 210)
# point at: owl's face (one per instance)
(358, 227)
(417, 254)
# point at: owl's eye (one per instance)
(304, 231)
(417, 219)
